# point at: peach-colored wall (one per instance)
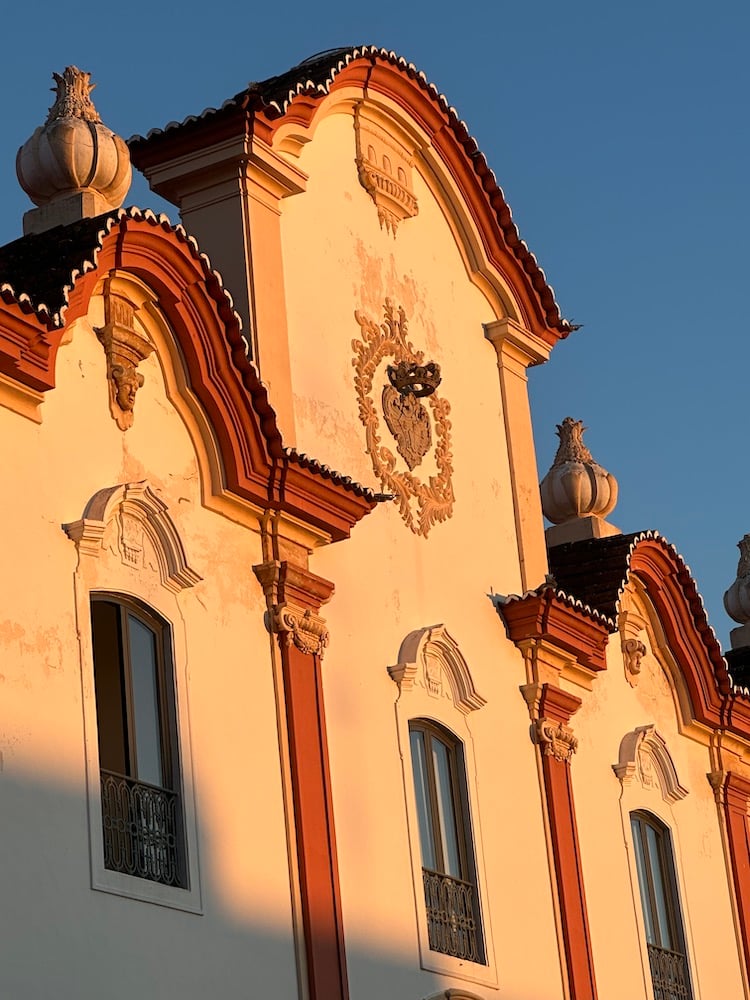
(58, 934)
(612, 709)
(388, 581)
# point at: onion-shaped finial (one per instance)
(737, 597)
(73, 167)
(577, 492)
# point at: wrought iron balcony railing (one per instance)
(452, 917)
(669, 974)
(142, 830)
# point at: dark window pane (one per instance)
(108, 681)
(421, 790)
(146, 723)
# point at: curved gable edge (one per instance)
(264, 108)
(198, 310)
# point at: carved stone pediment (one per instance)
(430, 658)
(124, 348)
(137, 520)
(645, 757)
(384, 166)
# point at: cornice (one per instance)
(546, 616)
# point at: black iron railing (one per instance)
(142, 830)
(452, 918)
(669, 974)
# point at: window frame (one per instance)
(150, 593)
(431, 730)
(171, 772)
(644, 820)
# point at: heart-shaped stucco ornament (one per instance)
(409, 423)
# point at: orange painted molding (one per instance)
(736, 798)
(255, 464)
(545, 615)
(295, 596)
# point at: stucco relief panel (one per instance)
(415, 418)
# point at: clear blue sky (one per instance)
(619, 133)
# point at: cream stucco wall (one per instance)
(337, 259)
(59, 936)
(610, 710)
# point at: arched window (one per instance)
(448, 869)
(665, 937)
(142, 815)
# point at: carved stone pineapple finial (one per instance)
(73, 167)
(737, 597)
(577, 492)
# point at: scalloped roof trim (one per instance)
(340, 59)
(561, 595)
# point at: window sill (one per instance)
(457, 968)
(145, 891)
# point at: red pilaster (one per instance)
(296, 597)
(558, 744)
(736, 798)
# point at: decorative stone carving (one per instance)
(412, 424)
(633, 651)
(430, 658)
(644, 755)
(577, 493)
(73, 166)
(737, 597)
(139, 514)
(307, 631)
(124, 348)
(556, 739)
(384, 167)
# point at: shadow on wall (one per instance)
(60, 938)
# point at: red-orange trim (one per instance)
(378, 71)
(311, 791)
(545, 615)
(675, 597)
(559, 706)
(256, 466)
(736, 799)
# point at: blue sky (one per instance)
(620, 136)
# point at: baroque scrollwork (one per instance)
(307, 631)
(556, 739)
(421, 504)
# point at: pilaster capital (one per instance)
(294, 597)
(556, 740)
(517, 348)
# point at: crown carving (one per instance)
(413, 379)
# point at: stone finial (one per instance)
(577, 493)
(737, 597)
(73, 167)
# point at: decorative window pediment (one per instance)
(644, 756)
(137, 521)
(430, 658)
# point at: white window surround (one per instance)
(650, 784)
(128, 545)
(435, 683)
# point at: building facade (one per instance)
(271, 729)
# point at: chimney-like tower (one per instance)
(73, 167)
